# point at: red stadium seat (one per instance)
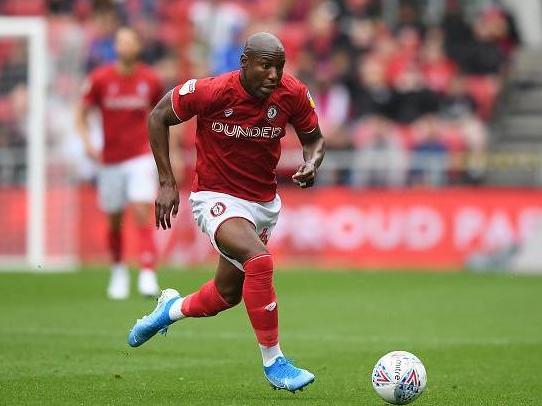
(484, 90)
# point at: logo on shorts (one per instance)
(264, 235)
(228, 112)
(218, 209)
(271, 306)
(272, 112)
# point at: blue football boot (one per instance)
(284, 375)
(158, 321)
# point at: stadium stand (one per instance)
(407, 92)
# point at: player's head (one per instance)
(127, 45)
(262, 63)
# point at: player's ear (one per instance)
(243, 61)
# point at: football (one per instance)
(399, 377)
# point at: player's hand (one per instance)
(93, 153)
(305, 175)
(166, 205)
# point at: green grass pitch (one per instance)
(479, 336)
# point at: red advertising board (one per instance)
(433, 229)
(416, 228)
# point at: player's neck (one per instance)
(126, 68)
(244, 84)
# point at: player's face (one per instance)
(127, 45)
(263, 72)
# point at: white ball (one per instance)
(399, 377)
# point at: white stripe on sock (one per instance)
(175, 309)
(270, 354)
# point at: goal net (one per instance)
(37, 198)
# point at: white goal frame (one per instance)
(34, 29)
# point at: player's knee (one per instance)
(141, 214)
(115, 222)
(246, 252)
(251, 250)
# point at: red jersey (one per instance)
(238, 135)
(124, 101)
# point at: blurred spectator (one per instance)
(14, 71)
(409, 18)
(359, 9)
(323, 34)
(430, 154)
(381, 159)
(360, 35)
(411, 99)
(458, 112)
(457, 104)
(218, 26)
(503, 29)
(484, 56)
(61, 6)
(385, 85)
(153, 49)
(370, 92)
(437, 69)
(102, 47)
(333, 107)
(457, 33)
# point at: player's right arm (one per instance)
(89, 98)
(178, 105)
(167, 201)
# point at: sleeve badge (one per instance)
(188, 87)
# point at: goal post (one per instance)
(30, 252)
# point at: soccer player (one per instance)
(124, 92)
(241, 118)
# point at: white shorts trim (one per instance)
(132, 181)
(211, 209)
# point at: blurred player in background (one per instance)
(124, 92)
(242, 116)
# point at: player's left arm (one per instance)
(305, 122)
(314, 149)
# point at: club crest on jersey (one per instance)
(218, 209)
(142, 88)
(272, 112)
(311, 100)
(228, 112)
(113, 88)
(188, 87)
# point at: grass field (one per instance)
(480, 337)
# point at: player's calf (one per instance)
(206, 302)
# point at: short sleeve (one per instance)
(91, 90)
(191, 98)
(304, 118)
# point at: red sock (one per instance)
(115, 245)
(260, 299)
(206, 302)
(147, 248)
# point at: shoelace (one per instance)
(286, 367)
